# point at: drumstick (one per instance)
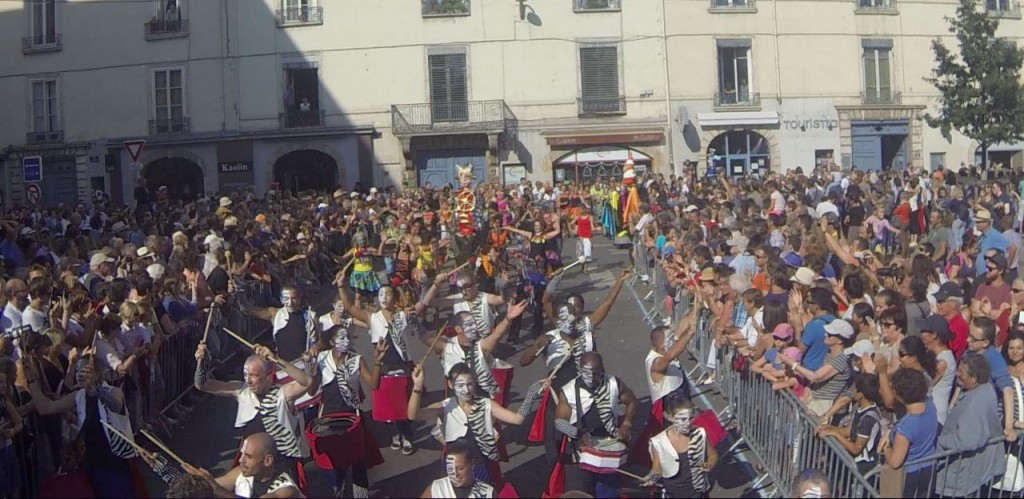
(434, 342)
(637, 477)
(209, 320)
(246, 343)
(562, 270)
(341, 273)
(163, 447)
(555, 371)
(120, 435)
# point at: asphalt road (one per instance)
(207, 437)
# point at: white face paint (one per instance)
(576, 303)
(463, 389)
(587, 375)
(471, 328)
(339, 307)
(342, 342)
(449, 466)
(682, 421)
(567, 321)
(383, 297)
(290, 300)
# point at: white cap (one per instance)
(155, 271)
(804, 276)
(301, 236)
(231, 222)
(144, 252)
(861, 349)
(373, 190)
(353, 195)
(213, 241)
(99, 258)
(840, 328)
(690, 208)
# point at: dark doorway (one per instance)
(183, 178)
(302, 99)
(306, 170)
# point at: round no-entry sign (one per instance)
(33, 193)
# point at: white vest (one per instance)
(671, 381)
(326, 322)
(442, 488)
(328, 366)
(488, 313)
(453, 354)
(120, 422)
(669, 458)
(455, 422)
(587, 400)
(244, 485)
(281, 320)
(379, 329)
(557, 349)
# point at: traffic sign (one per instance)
(32, 168)
(134, 148)
(33, 193)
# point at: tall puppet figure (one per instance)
(630, 197)
(464, 241)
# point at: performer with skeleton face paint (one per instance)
(466, 415)
(338, 369)
(388, 327)
(596, 431)
(681, 455)
(295, 332)
(338, 316)
(460, 482)
(665, 377)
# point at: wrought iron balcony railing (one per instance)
(738, 99)
(300, 16)
(445, 8)
(51, 136)
(166, 28)
(36, 44)
(881, 98)
(727, 5)
(593, 106)
(487, 116)
(596, 5)
(1005, 9)
(876, 6)
(294, 118)
(170, 125)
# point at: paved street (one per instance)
(210, 440)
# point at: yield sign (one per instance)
(134, 148)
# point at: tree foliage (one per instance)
(981, 95)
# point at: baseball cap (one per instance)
(792, 353)
(99, 259)
(840, 328)
(936, 324)
(948, 290)
(783, 331)
(999, 259)
(861, 349)
(689, 208)
(793, 259)
(805, 276)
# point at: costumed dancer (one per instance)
(363, 278)
(665, 377)
(630, 195)
(584, 228)
(258, 474)
(480, 305)
(338, 317)
(595, 429)
(590, 322)
(682, 455)
(339, 439)
(263, 405)
(295, 331)
(610, 214)
(465, 240)
(109, 460)
(466, 415)
(459, 465)
(389, 326)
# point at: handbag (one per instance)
(1013, 478)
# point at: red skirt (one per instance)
(390, 401)
(354, 447)
(503, 376)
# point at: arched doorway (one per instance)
(593, 164)
(739, 153)
(305, 170)
(182, 177)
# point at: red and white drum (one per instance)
(604, 457)
(305, 401)
(342, 440)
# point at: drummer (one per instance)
(479, 303)
(337, 371)
(263, 405)
(474, 347)
(590, 322)
(589, 416)
(258, 472)
(461, 481)
(389, 326)
(338, 317)
(465, 415)
(295, 330)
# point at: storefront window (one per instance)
(739, 153)
(598, 164)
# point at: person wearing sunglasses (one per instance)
(992, 298)
(983, 341)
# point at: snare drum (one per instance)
(281, 377)
(605, 457)
(391, 399)
(342, 440)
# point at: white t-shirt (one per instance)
(778, 202)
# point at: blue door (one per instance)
(438, 167)
(867, 152)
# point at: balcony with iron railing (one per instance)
(1003, 9)
(159, 29)
(600, 106)
(445, 8)
(300, 16)
(733, 6)
(881, 98)
(38, 44)
(876, 7)
(596, 5)
(488, 116)
(733, 100)
(295, 118)
(170, 125)
(45, 137)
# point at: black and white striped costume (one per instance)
(113, 413)
(481, 310)
(271, 413)
(454, 423)
(604, 398)
(697, 456)
(474, 357)
(247, 486)
(345, 376)
(442, 487)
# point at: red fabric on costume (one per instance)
(537, 428)
(503, 377)
(74, 485)
(709, 421)
(508, 492)
(138, 481)
(655, 425)
(556, 482)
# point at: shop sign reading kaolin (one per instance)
(235, 167)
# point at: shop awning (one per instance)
(601, 154)
(1002, 147)
(743, 118)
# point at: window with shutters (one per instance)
(169, 101)
(1003, 8)
(733, 6)
(45, 106)
(300, 13)
(43, 36)
(878, 72)
(734, 74)
(449, 84)
(599, 80)
(445, 8)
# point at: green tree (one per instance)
(981, 95)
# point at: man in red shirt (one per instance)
(584, 231)
(950, 299)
